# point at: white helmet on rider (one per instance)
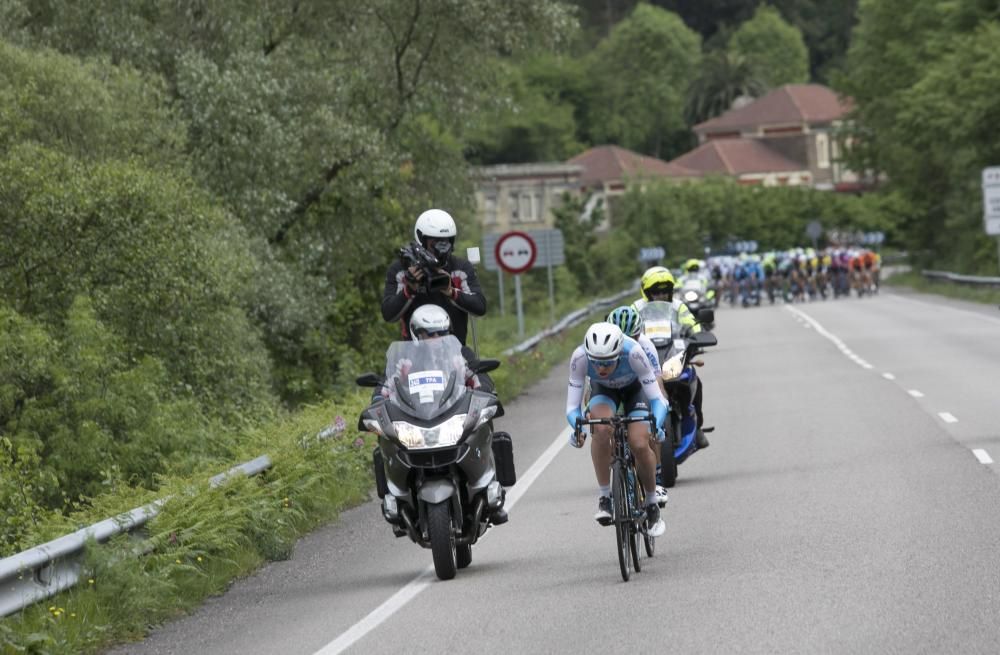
(603, 341)
(436, 224)
(429, 321)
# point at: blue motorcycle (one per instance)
(676, 350)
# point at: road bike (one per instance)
(628, 495)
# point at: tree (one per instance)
(723, 78)
(773, 49)
(640, 75)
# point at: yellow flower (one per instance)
(90, 581)
(177, 561)
(72, 615)
(52, 608)
(199, 558)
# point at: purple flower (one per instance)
(359, 442)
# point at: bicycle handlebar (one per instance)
(616, 419)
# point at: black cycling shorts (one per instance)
(630, 398)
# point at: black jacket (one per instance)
(398, 304)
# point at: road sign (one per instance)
(991, 200)
(650, 255)
(549, 245)
(814, 230)
(515, 252)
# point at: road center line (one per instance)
(422, 581)
(947, 418)
(915, 393)
(889, 376)
(982, 456)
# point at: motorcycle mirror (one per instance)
(368, 380)
(705, 315)
(484, 365)
(472, 254)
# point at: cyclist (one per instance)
(657, 283)
(631, 324)
(620, 374)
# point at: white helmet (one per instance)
(434, 224)
(429, 321)
(603, 341)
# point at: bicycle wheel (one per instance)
(622, 517)
(633, 526)
(648, 541)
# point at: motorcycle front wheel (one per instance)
(442, 540)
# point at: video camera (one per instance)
(434, 278)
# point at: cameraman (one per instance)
(443, 279)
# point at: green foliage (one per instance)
(165, 269)
(773, 49)
(724, 76)
(640, 74)
(922, 77)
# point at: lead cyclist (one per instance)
(620, 373)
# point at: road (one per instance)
(848, 504)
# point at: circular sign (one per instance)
(515, 252)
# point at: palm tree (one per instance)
(725, 77)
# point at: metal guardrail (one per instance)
(569, 320)
(962, 279)
(44, 571)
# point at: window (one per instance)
(822, 151)
(490, 210)
(515, 208)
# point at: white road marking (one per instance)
(982, 456)
(947, 418)
(422, 581)
(915, 393)
(889, 376)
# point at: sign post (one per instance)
(515, 253)
(472, 254)
(991, 202)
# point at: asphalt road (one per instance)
(848, 504)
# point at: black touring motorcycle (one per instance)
(439, 468)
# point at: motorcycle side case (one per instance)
(503, 456)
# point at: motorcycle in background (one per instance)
(697, 296)
(676, 350)
(439, 468)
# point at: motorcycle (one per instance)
(676, 351)
(695, 295)
(439, 468)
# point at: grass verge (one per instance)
(917, 282)
(205, 538)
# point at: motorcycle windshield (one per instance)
(425, 378)
(660, 321)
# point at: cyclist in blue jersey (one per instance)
(620, 373)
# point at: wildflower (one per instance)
(90, 581)
(359, 442)
(52, 608)
(173, 538)
(72, 615)
(199, 558)
(177, 561)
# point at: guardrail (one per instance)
(569, 320)
(44, 571)
(962, 279)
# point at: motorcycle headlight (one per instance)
(673, 367)
(443, 434)
(373, 426)
(690, 296)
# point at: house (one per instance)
(523, 196)
(608, 169)
(786, 137)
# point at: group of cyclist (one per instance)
(795, 275)
(623, 368)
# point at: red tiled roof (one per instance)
(612, 163)
(792, 103)
(736, 157)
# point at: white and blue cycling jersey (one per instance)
(636, 364)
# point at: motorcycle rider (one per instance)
(657, 283)
(619, 372)
(631, 324)
(405, 288)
